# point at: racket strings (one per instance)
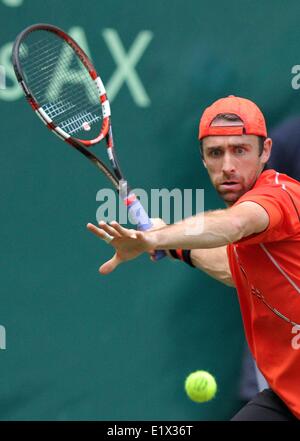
(61, 84)
(45, 74)
(67, 88)
(35, 52)
(75, 124)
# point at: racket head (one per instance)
(61, 84)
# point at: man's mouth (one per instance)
(229, 185)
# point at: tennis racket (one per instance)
(65, 91)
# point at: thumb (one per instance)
(152, 255)
(110, 265)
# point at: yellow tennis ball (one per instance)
(200, 386)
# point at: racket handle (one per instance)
(138, 216)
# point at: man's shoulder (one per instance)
(274, 184)
(273, 178)
(278, 194)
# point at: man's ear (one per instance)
(201, 153)
(267, 150)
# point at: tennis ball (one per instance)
(200, 386)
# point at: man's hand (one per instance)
(157, 225)
(128, 243)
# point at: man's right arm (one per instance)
(214, 262)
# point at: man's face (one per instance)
(233, 163)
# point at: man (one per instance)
(285, 158)
(253, 244)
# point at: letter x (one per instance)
(126, 63)
(168, 430)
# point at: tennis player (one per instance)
(253, 244)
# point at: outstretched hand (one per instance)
(128, 243)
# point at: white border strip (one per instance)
(100, 86)
(44, 115)
(37, 112)
(106, 109)
(64, 134)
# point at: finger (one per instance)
(108, 238)
(123, 231)
(152, 255)
(95, 230)
(110, 265)
(110, 230)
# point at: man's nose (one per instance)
(228, 164)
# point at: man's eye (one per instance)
(215, 153)
(240, 150)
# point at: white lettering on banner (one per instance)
(12, 90)
(2, 337)
(125, 72)
(12, 3)
(125, 65)
(2, 78)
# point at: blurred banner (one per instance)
(77, 345)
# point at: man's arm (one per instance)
(215, 229)
(219, 228)
(214, 262)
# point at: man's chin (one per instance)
(229, 197)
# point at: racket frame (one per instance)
(117, 179)
(79, 144)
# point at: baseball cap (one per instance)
(246, 110)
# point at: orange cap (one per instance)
(246, 110)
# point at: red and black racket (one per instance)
(65, 91)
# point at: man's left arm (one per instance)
(215, 229)
(206, 230)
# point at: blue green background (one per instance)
(83, 346)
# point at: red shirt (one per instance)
(266, 270)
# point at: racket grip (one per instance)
(138, 216)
